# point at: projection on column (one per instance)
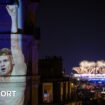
(12, 60)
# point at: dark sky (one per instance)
(74, 30)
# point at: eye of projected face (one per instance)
(5, 60)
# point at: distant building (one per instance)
(54, 85)
(51, 67)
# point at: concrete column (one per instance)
(35, 77)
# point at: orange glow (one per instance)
(90, 67)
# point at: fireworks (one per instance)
(90, 67)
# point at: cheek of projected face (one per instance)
(5, 65)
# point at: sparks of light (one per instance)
(90, 67)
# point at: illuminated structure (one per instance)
(28, 42)
(90, 78)
(90, 70)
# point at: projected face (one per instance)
(6, 64)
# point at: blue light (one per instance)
(20, 16)
(100, 82)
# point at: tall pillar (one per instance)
(35, 77)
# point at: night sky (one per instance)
(74, 30)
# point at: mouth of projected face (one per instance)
(3, 69)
